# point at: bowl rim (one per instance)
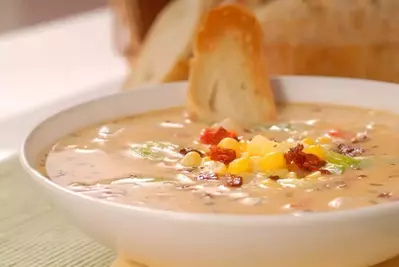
(225, 218)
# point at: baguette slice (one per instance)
(166, 50)
(228, 75)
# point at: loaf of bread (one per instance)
(228, 76)
(356, 38)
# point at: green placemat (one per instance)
(32, 234)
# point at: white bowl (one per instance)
(159, 238)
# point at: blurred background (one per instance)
(21, 13)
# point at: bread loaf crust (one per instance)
(228, 75)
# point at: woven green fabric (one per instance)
(32, 234)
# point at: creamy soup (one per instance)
(315, 158)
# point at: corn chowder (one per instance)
(315, 158)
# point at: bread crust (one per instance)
(228, 76)
(166, 51)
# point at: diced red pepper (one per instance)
(223, 155)
(212, 136)
(336, 133)
(341, 134)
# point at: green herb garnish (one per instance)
(339, 159)
(156, 151)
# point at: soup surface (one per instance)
(315, 158)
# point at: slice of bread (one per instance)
(228, 75)
(166, 50)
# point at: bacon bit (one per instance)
(207, 176)
(385, 195)
(325, 172)
(211, 136)
(188, 170)
(307, 162)
(234, 180)
(223, 155)
(185, 151)
(239, 138)
(274, 177)
(349, 150)
(360, 137)
(184, 187)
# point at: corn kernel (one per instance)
(260, 145)
(254, 163)
(191, 159)
(245, 155)
(308, 141)
(216, 167)
(324, 140)
(314, 175)
(316, 150)
(230, 143)
(205, 159)
(221, 169)
(243, 146)
(240, 165)
(272, 161)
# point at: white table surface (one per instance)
(51, 66)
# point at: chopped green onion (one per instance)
(156, 151)
(339, 159)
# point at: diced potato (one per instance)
(285, 146)
(317, 150)
(243, 146)
(205, 159)
(216, 167)
(230, 143)
(271, 161)
(324, 140)
(221, 169)
(240, 165)
(260, 145)
(191, 159)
